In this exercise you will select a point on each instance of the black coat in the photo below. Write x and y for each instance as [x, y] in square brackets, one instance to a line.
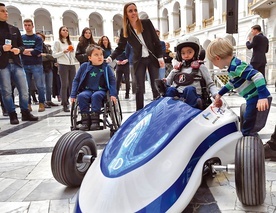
[81, 55]
[151, 39]
[260, 48]
[12, 33]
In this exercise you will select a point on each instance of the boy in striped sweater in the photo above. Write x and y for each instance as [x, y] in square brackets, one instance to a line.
[247, 81]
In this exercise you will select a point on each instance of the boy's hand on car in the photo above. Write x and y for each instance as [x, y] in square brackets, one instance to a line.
[262, 104]
[218, 101]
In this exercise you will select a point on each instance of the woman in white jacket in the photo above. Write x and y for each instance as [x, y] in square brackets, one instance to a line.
[64, 52]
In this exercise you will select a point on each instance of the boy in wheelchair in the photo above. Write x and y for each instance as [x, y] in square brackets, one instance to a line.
[191, 80]
[90, 85]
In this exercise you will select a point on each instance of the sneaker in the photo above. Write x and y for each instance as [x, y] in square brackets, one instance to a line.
[41, 107]
[269, 153]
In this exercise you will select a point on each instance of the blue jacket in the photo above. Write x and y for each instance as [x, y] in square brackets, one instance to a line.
[109, 79]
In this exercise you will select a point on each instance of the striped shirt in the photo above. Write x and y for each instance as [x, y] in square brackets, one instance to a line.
[247, 81]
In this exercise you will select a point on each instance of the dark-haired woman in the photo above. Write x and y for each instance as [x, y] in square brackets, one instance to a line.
[85, 40]
[64, 52]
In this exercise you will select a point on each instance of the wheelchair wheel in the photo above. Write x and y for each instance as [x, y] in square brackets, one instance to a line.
[250, 171]
[115, 113]
[66, 163]
[75, 116]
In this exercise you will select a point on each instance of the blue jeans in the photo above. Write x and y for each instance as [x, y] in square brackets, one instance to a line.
[87, 97]
[48, 82]
[249, 117]
[37, 72]
[17, 75]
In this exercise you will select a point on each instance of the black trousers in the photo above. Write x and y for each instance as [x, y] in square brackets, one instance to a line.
[259, 66]
[140, 69]
[120, 71]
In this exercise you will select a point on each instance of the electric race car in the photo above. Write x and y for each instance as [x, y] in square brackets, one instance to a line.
[156, 160]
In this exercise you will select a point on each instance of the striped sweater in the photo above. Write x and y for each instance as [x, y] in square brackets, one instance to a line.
[247, 81]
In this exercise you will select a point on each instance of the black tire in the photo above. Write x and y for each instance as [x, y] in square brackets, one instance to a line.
[242, 110]
[115, 114]
[65, 163]
[75, 116]
[250, 171]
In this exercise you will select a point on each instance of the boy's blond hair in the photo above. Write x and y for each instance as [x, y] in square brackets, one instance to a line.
[220, 47]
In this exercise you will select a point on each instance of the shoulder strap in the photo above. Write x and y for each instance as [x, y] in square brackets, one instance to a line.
[139, 40]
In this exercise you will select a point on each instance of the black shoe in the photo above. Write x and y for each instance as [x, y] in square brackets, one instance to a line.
[66, 108]
[50, 103]
[127, 96]
[269, 153]
[95, 121]
[85, 122]
[27, 116]
[46, 105]
[13, 118]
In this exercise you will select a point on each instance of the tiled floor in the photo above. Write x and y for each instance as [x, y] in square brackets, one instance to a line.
[27, 184]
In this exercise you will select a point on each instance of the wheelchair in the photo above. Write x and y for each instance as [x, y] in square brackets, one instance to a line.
[110, 116]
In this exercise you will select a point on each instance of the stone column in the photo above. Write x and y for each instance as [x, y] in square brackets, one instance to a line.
[57, 22]
[108, 29]
[218, 12]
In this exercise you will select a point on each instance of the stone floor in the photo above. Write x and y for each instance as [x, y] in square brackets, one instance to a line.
[27, 184]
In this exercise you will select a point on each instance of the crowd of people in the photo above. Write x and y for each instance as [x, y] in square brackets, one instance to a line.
[28, 64]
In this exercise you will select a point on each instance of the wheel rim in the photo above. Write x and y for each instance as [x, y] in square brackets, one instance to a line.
[82, 167]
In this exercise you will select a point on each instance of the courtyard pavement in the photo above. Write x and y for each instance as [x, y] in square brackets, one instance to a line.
[27, 184]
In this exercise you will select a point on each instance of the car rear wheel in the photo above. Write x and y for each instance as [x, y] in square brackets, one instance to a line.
[250, 171]
[67, 163]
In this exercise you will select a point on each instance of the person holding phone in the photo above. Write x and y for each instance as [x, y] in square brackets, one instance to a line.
[11, 46]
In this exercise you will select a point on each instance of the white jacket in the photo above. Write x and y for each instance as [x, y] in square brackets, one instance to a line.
[63, 58]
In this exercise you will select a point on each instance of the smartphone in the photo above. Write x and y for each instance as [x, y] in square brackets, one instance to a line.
[7, 41]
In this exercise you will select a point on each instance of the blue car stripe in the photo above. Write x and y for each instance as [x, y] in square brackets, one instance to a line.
[170, 196]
